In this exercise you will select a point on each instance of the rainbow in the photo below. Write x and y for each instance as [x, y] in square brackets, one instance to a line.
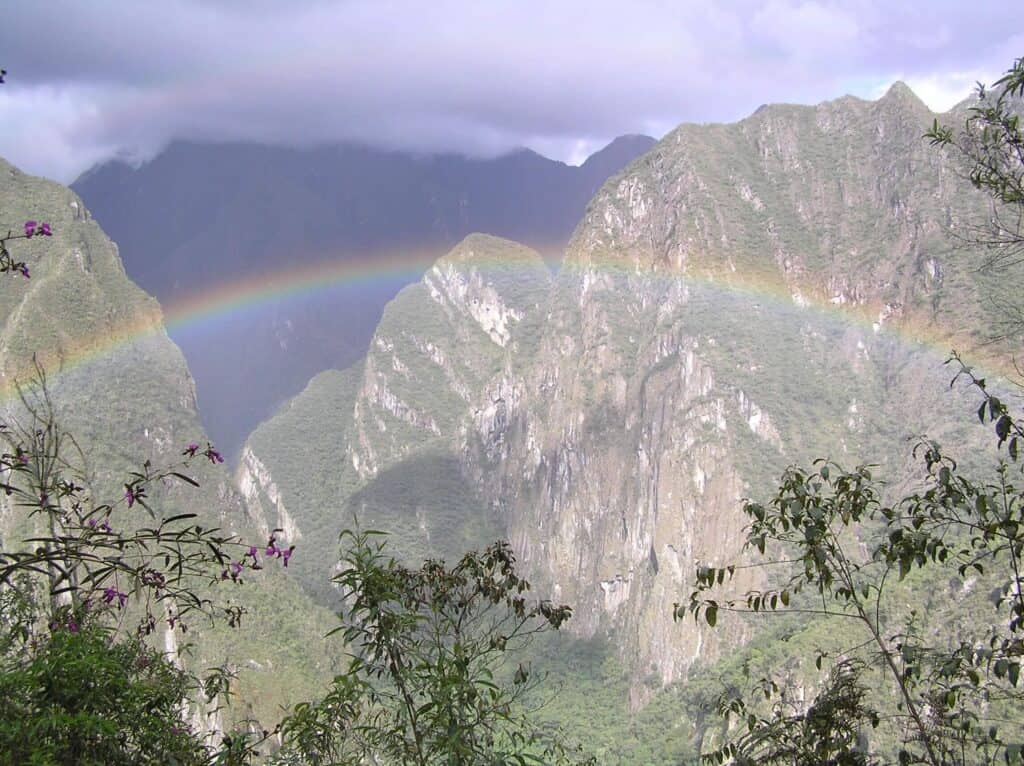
[206, 306]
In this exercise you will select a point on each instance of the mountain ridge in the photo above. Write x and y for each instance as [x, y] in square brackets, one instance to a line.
[129, 403]
[218, 213]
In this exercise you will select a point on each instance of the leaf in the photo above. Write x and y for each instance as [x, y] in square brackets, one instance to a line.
[184, 478]
[1003, 427]
[179, 517]
[711, 615]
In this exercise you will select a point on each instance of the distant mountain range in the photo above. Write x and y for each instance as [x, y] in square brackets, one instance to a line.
[201, 218]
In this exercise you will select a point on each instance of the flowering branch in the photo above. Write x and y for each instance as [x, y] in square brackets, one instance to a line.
[32, 229]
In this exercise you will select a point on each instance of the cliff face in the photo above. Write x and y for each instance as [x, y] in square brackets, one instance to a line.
[121, 388]
[741, 297]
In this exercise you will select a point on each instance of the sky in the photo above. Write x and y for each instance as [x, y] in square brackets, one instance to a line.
[89, 80]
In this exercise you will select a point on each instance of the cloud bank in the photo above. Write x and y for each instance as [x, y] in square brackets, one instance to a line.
[92, 80]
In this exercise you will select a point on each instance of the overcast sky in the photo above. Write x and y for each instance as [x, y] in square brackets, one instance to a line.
[91, 79]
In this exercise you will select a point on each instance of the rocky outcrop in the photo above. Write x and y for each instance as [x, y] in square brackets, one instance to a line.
[255, 483]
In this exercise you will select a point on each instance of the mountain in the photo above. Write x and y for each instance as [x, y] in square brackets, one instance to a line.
[122, 389]
[742, 297]
[202, 219]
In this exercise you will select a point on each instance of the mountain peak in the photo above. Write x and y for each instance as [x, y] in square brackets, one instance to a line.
[487, 250]
[619, 153]
[901, 93]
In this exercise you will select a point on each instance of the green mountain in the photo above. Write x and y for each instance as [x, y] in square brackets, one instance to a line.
[123, 391]
[739, 298]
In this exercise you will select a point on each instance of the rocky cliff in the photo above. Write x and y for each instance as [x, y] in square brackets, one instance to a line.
[741, 297]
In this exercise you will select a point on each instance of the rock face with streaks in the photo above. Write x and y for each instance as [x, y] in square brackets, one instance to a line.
[739, 298]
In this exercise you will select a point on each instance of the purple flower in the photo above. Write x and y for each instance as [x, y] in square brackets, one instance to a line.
[215, 457]
[153, 579]
[253, 550]
[236, 568]
[45, 230]
[72, 626]
[190, 450]
[110, 593]
[30, 228]
[23, 270]
[129, 494]
[287, 555]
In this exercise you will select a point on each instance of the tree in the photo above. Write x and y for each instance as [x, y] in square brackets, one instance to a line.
[82, 698]
[991, 143]
[843, 550]
[990, 147]
[76, 686]
[429, 680]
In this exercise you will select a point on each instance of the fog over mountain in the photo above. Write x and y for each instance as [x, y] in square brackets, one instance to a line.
[199, 218]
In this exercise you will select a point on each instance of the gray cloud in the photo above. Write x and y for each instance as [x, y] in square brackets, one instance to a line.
[89, 80]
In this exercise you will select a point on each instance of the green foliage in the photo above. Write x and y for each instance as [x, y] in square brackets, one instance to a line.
[992, 139]
[952, 695]
[424, 685]
[82, 696]
[827, 733]
[990, 146]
